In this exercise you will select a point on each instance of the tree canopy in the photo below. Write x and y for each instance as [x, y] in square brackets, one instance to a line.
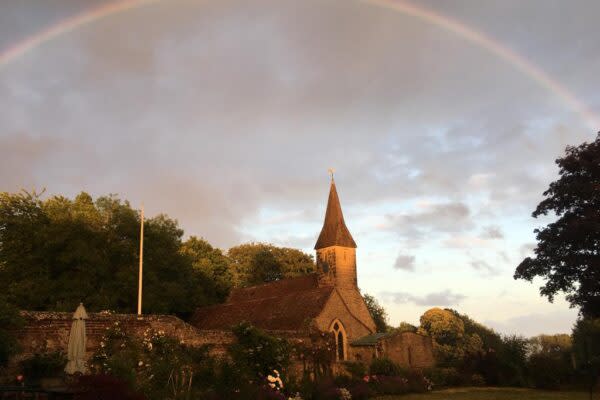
[57, 252]
[567, 255]
[255, 263]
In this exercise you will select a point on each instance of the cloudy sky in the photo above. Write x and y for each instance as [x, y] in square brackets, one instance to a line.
[226, 115]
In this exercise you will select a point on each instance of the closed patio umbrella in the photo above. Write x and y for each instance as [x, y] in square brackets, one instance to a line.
[77, 342]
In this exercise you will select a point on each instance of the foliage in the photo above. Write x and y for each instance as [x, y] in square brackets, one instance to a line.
[43, 365]
[211, 262]
[157, 366]
[58, 252]
[512, 360]
[255, 263]
[258, 353]
[448, 334]
[384, 366]
[316, 354]
[406, 327]
[586, 350]
[10, 320]
[377, 312]
[567, 254]
[444, 377]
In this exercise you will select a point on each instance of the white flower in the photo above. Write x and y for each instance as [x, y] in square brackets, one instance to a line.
[140, 363]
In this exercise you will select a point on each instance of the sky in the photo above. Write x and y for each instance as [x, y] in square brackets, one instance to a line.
[226, 115]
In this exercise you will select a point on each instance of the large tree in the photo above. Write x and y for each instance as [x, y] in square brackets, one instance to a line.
[567, 255]
[57, 252]
[255, 263]
[377, 312]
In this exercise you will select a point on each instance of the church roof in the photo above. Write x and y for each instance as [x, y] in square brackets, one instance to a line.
[282, 305]
[334, 231]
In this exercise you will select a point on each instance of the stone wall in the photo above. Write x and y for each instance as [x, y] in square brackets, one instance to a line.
[49, 331]
[408, 349]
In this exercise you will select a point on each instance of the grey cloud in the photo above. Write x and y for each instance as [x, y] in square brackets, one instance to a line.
[405, 262]
[437, 218]
[492, 232]
[483, 266]
[442, 298]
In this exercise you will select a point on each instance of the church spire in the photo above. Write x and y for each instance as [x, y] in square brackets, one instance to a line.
[334, 231]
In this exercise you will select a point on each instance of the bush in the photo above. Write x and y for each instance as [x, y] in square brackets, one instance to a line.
[384, 366]
[45, 365]
[549, 371]
[357, 370]
[257, 352]
[443, 377]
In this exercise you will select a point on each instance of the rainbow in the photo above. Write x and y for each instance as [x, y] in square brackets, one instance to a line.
[475, 37]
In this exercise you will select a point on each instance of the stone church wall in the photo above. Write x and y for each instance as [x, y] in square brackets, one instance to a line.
[337, 309]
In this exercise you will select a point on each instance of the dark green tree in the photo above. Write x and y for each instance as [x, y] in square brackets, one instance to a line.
[57, 252]
[10, 321]
[211, 262]
[377, 312]
[586, 349]
[567, 255]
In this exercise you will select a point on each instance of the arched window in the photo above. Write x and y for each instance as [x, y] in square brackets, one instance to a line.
[339, 334]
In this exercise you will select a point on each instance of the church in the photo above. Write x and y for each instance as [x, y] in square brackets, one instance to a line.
[327, 300]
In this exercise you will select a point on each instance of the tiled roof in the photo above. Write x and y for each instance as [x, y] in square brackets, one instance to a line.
[334, 231]
[369, 340]
[283, 305]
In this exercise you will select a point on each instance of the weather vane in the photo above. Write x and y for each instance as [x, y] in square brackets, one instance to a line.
[331, 171]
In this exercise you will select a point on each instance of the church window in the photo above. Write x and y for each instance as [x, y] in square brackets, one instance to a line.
[339, 335]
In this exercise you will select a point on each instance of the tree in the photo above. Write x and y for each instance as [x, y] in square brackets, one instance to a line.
[406, 327]
[448, 334]
[377, 312]
[568, 250]
[549, 363]
[10, 320]
[211, 262]
[586, 349]
[57, 252]
[254, 263]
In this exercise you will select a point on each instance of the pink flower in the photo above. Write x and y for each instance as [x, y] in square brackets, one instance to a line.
[19, 378]
[366, 378]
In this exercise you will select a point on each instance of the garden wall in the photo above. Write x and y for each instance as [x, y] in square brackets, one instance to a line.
[49, 331]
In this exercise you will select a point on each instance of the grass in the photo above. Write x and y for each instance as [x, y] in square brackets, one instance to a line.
[493, 393]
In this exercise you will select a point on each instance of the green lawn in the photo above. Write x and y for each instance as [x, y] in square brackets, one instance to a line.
[492, 393]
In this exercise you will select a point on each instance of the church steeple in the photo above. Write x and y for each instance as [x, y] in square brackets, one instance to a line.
[334, 231]
[336, 249]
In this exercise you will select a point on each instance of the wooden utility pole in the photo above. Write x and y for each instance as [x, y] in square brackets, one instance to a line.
[139, 309]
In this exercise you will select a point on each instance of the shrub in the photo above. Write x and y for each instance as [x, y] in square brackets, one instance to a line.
[257, 352]
[44, 365]
[384, 366]
[549, 371]
[357, 370]
[443, 377]
[477, 380]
